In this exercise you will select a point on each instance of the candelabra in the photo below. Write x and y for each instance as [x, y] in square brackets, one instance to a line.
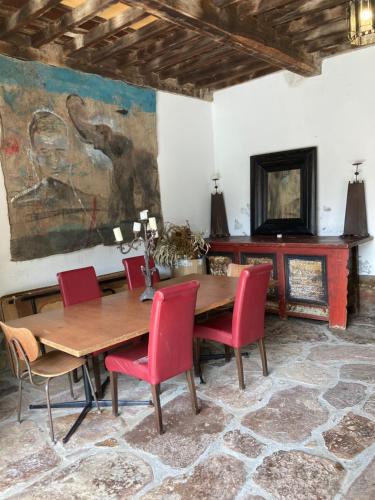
[147, 226]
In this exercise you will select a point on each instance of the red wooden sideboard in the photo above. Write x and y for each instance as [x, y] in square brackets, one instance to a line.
[317, 276]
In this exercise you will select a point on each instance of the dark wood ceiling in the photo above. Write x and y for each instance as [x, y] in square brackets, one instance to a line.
[191, 47]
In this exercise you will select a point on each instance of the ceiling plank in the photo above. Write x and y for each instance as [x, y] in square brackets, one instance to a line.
[109, 28]
[131, 39]
[220, 53]
[227, 66]
[299, 8]
[237, 71]
[171, 58]
[339, 26]
[235, 80]
[69, 20]
[169, 42]
[251, 36]
[224, 3]
[30, 11]
[310, 22]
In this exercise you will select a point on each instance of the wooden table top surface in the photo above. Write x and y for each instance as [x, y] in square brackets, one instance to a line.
[101, 323]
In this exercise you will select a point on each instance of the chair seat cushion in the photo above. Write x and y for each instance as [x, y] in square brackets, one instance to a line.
[106, 349]
[218, 329]
[130, 360]
[136, 340]
[56, 363]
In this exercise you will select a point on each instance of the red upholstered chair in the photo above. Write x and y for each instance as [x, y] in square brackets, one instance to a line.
[246, 324]
[169, 348]
[134, 273]
[80, 285]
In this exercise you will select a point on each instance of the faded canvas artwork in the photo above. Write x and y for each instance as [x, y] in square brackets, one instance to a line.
[78, 155]
[284, 194]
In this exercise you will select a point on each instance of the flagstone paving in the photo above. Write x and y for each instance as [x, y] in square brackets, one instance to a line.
[307, 431]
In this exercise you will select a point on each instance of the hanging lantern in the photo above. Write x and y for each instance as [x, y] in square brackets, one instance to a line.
[361, 19]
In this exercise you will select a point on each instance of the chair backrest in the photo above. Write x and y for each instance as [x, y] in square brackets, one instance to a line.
[78, 285]
[22, 344]
[250, 304]
[170, 345]
[235, 270]
[134, 273]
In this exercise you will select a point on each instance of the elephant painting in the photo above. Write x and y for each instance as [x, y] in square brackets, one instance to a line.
[134, 175]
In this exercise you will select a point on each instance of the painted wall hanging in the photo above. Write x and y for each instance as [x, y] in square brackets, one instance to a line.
[78, 154]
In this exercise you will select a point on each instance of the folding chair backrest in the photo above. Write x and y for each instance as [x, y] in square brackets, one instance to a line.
[26, 340]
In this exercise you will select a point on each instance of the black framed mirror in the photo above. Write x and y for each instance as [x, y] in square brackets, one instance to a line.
[283, 192]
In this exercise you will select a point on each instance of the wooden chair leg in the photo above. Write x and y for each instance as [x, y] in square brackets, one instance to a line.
[196, 359]
[96, 370]
[228, 353]
[196, 356]
[262, 349]
[114, 392]
[238, 355]
[193, 394]
[156, 401]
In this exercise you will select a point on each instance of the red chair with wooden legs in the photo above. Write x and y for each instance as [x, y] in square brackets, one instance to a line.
[27, 362]
[80, 285]
[134, 274]
[169, 349]
[246, 324]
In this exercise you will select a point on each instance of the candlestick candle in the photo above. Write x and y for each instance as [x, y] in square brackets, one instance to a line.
[136, 227]
[118, 234]
[152, 222]
[143, 215]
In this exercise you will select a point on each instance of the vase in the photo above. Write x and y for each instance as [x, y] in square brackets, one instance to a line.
[190, 266]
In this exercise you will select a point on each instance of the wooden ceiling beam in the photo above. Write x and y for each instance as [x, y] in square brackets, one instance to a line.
[28, 13]
[298, 9]
[224, 3]
[257, 7]
[310, 22]
[196, 64]
[227, 66]
[108, 28]
[236, 71]
[131, 39]
[235, 80]
[68, 21]
[318, 44]
[170, 41]
[339, 26]
[177, 56]
[251, 36]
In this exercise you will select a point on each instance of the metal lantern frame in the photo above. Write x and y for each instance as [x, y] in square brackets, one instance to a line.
[361, 22]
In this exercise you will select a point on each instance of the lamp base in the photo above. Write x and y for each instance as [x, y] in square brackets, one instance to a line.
[148, 294]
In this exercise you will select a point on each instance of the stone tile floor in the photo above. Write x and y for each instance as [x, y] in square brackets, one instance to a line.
[305, 432]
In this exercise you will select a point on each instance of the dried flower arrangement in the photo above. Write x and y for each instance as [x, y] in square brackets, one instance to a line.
[178, 242]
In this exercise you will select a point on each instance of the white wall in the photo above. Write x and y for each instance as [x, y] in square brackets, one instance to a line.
[185, 163]
[334, 111]
[186, 159]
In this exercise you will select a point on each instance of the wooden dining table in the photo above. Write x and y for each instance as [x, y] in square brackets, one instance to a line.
[102, 323]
